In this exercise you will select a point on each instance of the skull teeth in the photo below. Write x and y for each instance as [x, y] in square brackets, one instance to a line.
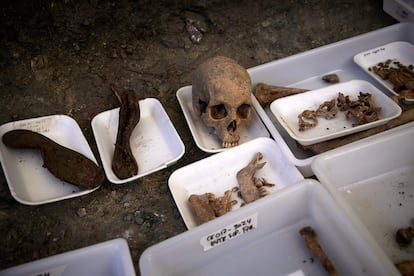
[229, 144]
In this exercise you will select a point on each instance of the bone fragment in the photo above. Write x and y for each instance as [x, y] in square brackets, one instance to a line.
[331, 78]
[124, 164]
[266, 94]
[202, 208]
[208, 207]
[64, 163]
[405, 117]
[406, 268]
[309, 234]
[248, 189]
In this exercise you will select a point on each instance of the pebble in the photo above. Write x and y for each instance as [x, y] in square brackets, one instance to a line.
[81, 212]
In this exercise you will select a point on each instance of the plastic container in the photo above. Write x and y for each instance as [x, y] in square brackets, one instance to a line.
[305, 70]
[110, 258]
[399, 51]
[29, 182]
[373, 181]
[401, 10]
[262, 238]
[217, 174]
[204, 137]
[154, 142]
[287, 109]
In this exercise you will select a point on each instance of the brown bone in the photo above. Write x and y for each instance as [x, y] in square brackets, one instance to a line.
[66, 164]
[248, 189]
[309, 234]
[405, 117]
[266, 94]
[124, 164]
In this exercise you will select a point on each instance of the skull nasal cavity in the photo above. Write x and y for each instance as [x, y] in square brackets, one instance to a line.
[232, 126]
[218, 112]
[243, 111]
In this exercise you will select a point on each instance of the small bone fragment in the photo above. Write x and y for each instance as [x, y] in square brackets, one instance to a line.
[309, 234]
[404, 236]
[202, 208]
[208, 207]
[331, 78]
[406, 268]
[328, 109]
[248, 189]
[408, 93]
[124, 164]
[405, 117]
[223, 204]
[266, 94]
[307, 119]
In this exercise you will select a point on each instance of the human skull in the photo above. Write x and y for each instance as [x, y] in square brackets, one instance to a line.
[221, 96]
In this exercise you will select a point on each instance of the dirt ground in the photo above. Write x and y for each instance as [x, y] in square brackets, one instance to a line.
[60, 57]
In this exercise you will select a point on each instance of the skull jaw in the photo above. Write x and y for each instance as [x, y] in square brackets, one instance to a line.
[229, 139]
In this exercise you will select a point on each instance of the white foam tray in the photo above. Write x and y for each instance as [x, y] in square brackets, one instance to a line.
[305, 70]
[401, 51]
[287, 109]
[110, 258]
[217, 174]
[270, 243]
[204, 137]
[29, 182]
[154, 142]
[373, 180]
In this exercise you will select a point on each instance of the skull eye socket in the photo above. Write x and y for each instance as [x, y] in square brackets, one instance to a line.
[243, 111]
[218, 111]
[202, 106]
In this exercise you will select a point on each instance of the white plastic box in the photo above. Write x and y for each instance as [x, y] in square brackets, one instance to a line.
[217, 174]
[262, 238]
[155, 142]
[401, 10]
[373, 181]
[29, 182]
[305, 70]
[110, 258]
[287, 109]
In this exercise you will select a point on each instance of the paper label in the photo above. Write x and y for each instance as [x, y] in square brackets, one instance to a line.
[229, 232]
[40, 126]
[375, 51]
[57, 271]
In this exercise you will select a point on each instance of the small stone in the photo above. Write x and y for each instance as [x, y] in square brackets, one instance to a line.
[81, 212]
[76, 46]
[331, 78]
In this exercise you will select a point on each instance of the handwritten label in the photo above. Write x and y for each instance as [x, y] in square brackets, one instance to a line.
[57, 271]
[40, 126]
[229, 232]
[375, 51]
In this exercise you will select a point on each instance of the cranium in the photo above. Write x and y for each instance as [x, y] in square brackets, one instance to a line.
[222, 97]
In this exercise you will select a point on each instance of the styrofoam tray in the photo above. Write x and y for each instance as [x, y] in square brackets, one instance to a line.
[109, 258]
[204, 136]
[29, 182]
[287, 109]
[217, 174]
[305, 70]
[154, 142]
[373, 180]
[270, 243]
[401, 51]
